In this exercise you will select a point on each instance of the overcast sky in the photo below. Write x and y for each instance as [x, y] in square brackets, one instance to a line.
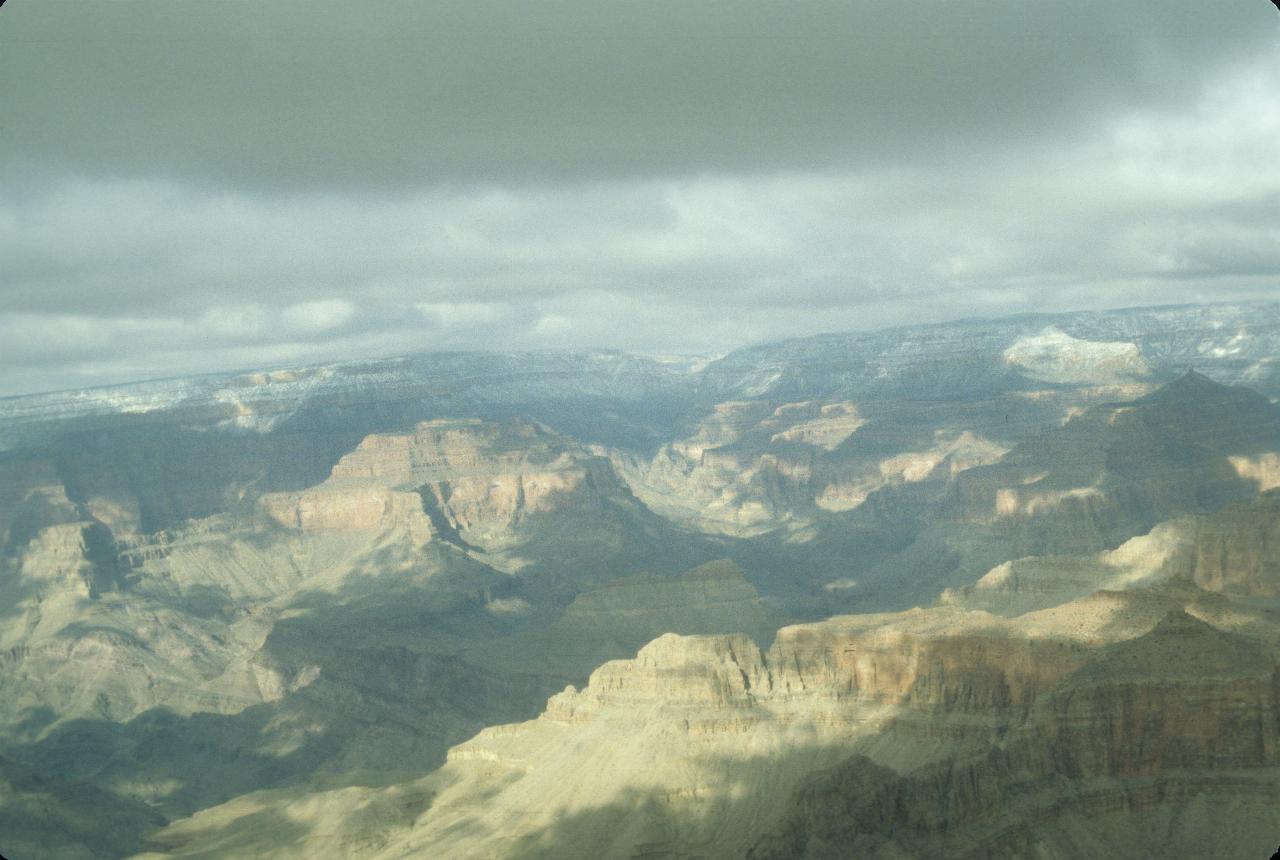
[189, 185]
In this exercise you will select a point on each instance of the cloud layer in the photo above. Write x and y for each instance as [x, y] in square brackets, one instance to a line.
[187, 187]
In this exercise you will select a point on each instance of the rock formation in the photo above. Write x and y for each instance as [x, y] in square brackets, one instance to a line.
[571, 605]
[908, 734]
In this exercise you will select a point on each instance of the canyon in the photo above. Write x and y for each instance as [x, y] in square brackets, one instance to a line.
[987, 589]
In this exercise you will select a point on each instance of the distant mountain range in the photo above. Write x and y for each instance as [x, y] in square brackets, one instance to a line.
[1234, 344]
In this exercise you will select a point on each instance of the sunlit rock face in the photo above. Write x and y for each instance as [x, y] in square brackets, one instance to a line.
[1113, 472]
[747, 469]
[834, 423]
[1131, 688]
[479, 482]
[1116, 470]
[349, 509]
[513, 496]
[1264, 469]
[1173, 440]
[1235, 552]
[948, 457]
[266, 634]
[99, 626]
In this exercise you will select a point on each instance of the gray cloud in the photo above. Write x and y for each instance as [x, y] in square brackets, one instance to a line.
[320, 94]
[187, 187]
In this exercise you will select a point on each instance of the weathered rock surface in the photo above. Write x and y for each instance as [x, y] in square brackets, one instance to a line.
[507, 493]
[1162, 726]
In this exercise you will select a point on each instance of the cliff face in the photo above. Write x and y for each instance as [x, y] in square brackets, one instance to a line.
[366, 621]
[933, 496]
[1110, 473]
[60, 560]
[1182, 717]
[1236, 552]
[350, 509]
[909, 735]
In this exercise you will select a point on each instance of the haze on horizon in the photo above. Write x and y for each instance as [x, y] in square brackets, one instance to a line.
[188, 187]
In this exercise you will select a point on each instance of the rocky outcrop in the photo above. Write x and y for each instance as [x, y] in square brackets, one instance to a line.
[32, 497]
[909, 734]
[719, 673]
[962, 733]
[74, 558]
[1236, 551]
[664, 744]
[754, 467]
[743, 471]
[357, 508]
[1183, 715]
[1107, 475]
[469, 482]
[946, 459]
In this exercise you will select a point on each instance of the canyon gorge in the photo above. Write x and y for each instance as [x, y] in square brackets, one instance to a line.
[987, 589]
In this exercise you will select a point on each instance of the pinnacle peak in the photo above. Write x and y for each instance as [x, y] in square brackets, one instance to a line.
[1193, 382]
[1180, 620]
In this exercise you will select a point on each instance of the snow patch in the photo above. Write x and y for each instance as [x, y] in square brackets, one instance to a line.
[1055, 356]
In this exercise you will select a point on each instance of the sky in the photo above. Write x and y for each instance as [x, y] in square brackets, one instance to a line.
[189, 186]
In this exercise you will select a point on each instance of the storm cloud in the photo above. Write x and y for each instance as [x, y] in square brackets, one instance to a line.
[191, 186]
